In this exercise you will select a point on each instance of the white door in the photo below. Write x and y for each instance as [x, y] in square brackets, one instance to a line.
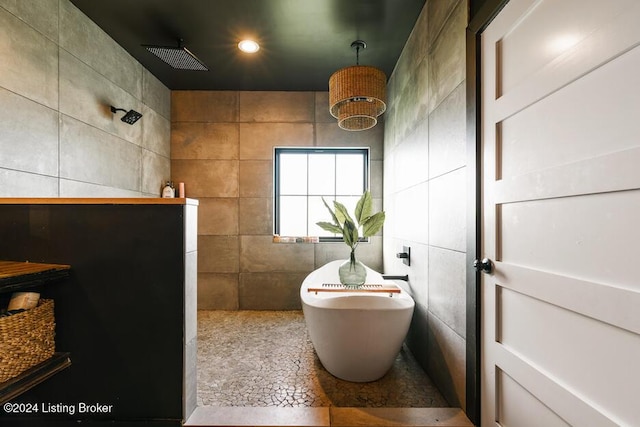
[561, 214]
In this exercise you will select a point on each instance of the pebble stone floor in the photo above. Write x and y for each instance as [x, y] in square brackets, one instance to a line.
[265, 358]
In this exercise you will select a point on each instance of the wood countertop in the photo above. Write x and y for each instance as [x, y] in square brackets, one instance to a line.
[97, 201]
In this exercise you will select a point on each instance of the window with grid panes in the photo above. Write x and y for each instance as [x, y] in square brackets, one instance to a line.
[303, 176]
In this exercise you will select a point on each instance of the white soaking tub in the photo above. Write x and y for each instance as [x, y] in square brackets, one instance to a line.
[356, 334]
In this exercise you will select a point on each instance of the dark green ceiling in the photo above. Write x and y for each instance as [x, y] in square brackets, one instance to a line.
[302, 41]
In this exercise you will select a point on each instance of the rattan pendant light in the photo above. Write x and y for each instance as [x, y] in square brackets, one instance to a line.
[357, 94]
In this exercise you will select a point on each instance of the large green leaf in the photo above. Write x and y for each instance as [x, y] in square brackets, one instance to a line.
[342, 213]
[333, 215]
[373, 224]
[350, 235]
[364, 208]
[355, 237]
[328, 226]
[344, 225]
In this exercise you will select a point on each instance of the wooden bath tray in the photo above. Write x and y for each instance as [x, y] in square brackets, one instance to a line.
[337, 287]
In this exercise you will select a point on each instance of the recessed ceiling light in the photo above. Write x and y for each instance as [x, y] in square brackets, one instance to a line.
[248, 46]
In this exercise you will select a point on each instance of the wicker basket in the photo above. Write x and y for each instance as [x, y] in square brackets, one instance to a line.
[26, 339]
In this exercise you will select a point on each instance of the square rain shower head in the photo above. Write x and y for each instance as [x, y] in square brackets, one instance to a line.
[129, 117]
[177, 57]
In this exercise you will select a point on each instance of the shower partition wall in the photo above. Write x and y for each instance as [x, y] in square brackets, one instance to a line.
[126, 313]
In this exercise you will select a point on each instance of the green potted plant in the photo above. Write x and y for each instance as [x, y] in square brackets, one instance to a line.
[366, 224]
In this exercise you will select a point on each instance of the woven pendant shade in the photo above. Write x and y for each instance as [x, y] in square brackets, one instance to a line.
[357, 96]
[358, 115]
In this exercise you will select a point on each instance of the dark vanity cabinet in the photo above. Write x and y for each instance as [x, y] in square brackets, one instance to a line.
[126, 313]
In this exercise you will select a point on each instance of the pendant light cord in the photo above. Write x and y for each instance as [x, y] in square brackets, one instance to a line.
[357, 45]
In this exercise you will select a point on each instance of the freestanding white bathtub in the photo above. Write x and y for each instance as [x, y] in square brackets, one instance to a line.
[356, 335]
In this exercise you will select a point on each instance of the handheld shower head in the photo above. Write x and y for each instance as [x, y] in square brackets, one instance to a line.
[130, 116]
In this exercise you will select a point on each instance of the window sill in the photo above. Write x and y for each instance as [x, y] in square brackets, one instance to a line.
[295, 239]
[312, 239]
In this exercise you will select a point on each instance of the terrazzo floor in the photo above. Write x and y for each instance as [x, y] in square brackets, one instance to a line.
[265, 359]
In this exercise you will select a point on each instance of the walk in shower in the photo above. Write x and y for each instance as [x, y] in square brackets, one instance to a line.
[266, 359]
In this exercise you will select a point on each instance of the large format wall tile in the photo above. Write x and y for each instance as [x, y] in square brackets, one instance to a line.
[424, 148]
[418, 271]
[87, 42]
[257, 140]
[260, 254]
[209, 127]
[414, 52]
[218, 216]
[156, 95]
[256, 178]
[87, 95]
[413, 154]
[375, 179]
[105, 159]
[256, 215]
[156, 170]
[391, 139]
[446, 362]
[207, 178]
[217, 291]
[22, 184]
[204, 140]
[28, 135]
[448, 57]
[218, 254]
[447, 288]
[40, 14]
[419, 338]
[59, 73]
[448, 211]
[28, 61]
[413, 103]
[438, 12]
[71, 188]
[156, 132]
[448, 133]
[411, 214]
[322, 114]
[270, 291]
[278, 107]
[204, 106]
[330, 135]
